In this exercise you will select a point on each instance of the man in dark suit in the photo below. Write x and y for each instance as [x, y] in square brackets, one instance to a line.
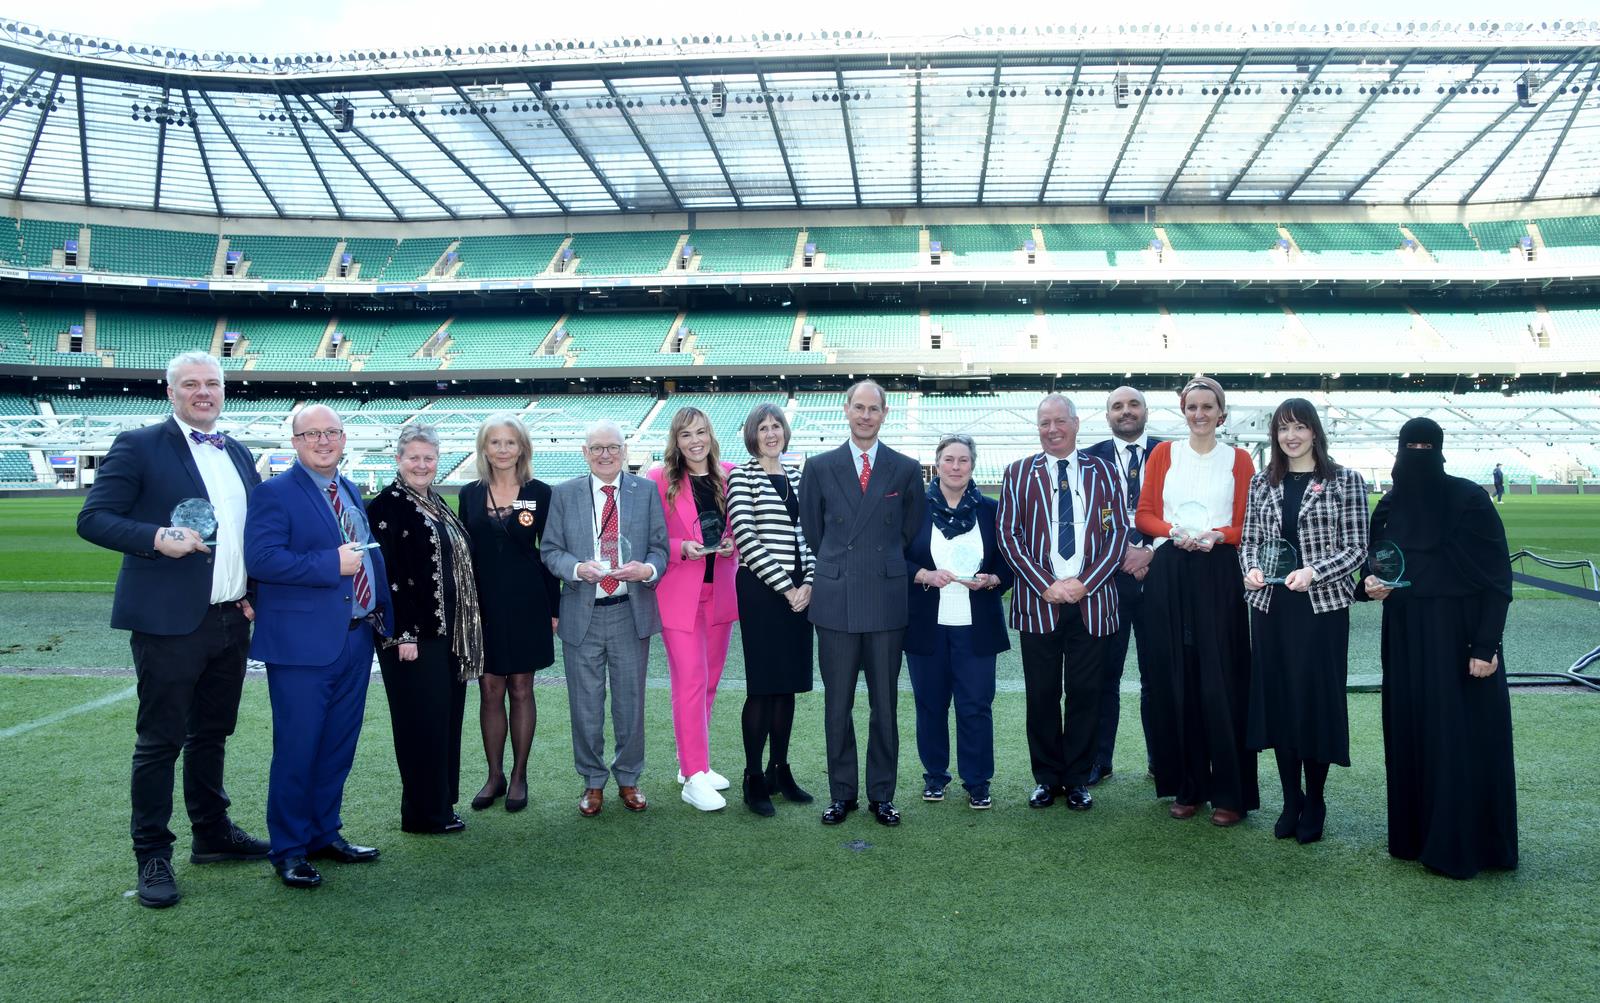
[606, 540]
[1063, 525]
[185, 604]
[860, 505]
[321, 599]
[1126, 450]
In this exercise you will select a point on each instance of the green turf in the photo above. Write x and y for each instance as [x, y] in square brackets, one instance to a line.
[1118, 903]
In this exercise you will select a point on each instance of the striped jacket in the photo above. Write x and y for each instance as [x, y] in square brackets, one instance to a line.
[1332, 535]
[766, 537]
[1024, 538]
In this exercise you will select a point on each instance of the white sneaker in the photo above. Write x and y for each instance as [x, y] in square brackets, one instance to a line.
[699, 793]
[718, 781]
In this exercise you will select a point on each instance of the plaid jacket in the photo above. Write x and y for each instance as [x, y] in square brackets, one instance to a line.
[1333, 535]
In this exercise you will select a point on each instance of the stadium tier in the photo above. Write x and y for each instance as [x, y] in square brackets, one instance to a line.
[994, 245]
[744, 250]
[132, 250]
[507, 256]
[863, 248]
[645, 252]
[294, 259]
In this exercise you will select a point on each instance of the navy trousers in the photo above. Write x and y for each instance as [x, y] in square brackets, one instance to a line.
[316, 719]
[954, 671]
[1130, 594]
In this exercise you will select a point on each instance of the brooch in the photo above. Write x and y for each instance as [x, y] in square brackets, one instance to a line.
[525, 518]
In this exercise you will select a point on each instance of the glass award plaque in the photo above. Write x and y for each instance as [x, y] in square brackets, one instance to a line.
[714, 531]
[350, 529]
[1277, 558]
[1388, 563]
[197, 515]
[612, 554]
[1192, 519]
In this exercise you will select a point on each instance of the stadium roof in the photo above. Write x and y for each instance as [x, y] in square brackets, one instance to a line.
[1040, 116]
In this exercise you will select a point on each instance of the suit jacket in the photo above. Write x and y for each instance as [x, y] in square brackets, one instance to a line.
[1110, 450]
[678, 594]
[291, 547]
[569, 541]
[989, 634]
[147, 472]
[859, 539]
[1332, 524]
[1024, 521]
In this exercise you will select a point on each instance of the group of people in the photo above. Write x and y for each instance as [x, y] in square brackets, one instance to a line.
[1233, 584]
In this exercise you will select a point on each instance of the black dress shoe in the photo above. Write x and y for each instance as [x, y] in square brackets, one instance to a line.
[297, 872]
[837, 810]
[456, 824]
[230, 843]
[884, 812]
[1044, 796]
[514, 805]
[487, 797]
[1079, 799]
[1098, 772]
[158, 889]
[345, 852]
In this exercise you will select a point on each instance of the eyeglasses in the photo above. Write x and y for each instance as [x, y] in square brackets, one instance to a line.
[320, 435]
[604, 449]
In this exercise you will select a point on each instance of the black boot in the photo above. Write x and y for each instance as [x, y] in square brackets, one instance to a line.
[780, 779]
[756, 795]
[1292, 807]
[1311, 820]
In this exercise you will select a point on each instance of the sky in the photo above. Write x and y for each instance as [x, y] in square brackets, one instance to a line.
[288, 26]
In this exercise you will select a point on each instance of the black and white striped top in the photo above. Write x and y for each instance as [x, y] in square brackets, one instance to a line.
[769, 541]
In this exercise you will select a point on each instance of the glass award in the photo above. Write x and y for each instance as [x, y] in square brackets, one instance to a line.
[1192, 519]
[1388, 563]
[713, 531]
[966, 557]
[1277, 558]
[351, 530]
[612, 554]
[198, 515]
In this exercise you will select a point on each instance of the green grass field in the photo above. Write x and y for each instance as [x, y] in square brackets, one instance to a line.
[1118, 903]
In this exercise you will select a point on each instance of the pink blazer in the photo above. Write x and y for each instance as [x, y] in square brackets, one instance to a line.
[678, 595]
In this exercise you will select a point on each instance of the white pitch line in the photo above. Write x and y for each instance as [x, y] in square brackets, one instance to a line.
[53, 581]
[62, 715]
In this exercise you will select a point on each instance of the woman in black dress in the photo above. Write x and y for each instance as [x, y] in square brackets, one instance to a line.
[774, 589]
[1300, 625]
[504, 511]
[1446, 707]
[438, 641]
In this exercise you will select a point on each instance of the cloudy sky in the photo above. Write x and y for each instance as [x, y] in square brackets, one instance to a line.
[321, 25]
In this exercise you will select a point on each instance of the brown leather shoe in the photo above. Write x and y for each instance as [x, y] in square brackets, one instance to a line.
[589, 805]
[1225, 817]
[1180, 810]
[632, 798]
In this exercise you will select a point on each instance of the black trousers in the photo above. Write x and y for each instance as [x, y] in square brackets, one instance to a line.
[189, 688]
[426, 706]
[841, 659]
[1067, 660]
[1130, 593]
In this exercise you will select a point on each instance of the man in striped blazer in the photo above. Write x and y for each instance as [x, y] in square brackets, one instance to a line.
[1063, 524]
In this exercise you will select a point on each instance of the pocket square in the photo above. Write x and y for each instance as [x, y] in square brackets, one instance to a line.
[892, 494]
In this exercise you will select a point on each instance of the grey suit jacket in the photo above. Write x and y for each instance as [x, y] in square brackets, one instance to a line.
[569, 541]
[859, 539]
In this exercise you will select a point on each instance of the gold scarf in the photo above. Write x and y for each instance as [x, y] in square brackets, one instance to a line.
[466, 635]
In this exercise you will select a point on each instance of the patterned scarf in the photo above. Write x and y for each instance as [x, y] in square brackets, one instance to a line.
[952, 522]
[466, 636]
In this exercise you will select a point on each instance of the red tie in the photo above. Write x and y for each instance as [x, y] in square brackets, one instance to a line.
[363, 587]
[608, 536]
[866, 472]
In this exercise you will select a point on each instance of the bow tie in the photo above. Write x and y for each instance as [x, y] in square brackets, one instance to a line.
[215, 438]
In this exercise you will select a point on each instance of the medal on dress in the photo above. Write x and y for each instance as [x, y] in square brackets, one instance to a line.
[525, 518]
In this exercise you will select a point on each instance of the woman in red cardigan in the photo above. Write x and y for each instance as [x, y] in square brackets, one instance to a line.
[1194, 641]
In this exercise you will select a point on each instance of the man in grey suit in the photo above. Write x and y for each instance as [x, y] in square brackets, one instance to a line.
[606, 540]
[860, 504]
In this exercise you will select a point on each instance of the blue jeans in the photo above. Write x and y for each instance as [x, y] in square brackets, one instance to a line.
[954, 670]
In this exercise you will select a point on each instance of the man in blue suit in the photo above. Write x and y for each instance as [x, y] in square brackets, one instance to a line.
[321, 599]
[1126, 450]
[185, 604]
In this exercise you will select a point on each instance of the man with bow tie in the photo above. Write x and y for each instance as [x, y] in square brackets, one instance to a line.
[184, 600]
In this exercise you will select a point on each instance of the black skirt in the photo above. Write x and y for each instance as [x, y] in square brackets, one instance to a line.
[1299, 664]
[776, 640]
[1194, 652]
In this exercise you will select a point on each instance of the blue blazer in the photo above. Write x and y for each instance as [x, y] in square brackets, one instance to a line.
[1110, 451]
[291, 548]
[147, 472]
[989, 634]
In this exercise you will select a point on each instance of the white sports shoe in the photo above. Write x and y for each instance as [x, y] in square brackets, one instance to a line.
[699, 793]
[718, 781]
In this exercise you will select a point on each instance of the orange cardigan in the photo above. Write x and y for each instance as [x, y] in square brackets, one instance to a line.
[1148, 519]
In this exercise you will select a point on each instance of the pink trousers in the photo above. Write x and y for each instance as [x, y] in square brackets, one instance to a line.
[694, 661]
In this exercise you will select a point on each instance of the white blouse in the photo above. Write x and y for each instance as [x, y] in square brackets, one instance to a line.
[962, 555]
[1206, 478]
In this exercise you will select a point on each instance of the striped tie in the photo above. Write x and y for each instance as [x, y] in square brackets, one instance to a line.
[363, 586]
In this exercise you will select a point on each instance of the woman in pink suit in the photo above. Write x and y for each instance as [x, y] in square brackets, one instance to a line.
[696, 595]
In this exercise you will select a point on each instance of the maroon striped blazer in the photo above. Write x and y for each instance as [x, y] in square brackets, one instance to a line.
[1024, 538]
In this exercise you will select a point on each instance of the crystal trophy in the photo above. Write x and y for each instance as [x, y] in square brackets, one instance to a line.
[1276, 559]
[612, 554]
[1192, 518]
[1388, 563]
[198, 515]
[351, 530]
[714, 532]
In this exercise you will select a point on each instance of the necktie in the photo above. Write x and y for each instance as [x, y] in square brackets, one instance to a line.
[362, 585]
[866, 472]
[215, 438]
[608, 536]
[1134, 535]
[1066, 545]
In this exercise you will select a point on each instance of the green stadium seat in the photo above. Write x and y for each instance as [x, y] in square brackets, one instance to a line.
[371, 253]
[16, 468]
[506, 256]
[769, 249]
[994, 245]
[42, 238]
[883, 331]
[747, 337]
[131, 250]
[867, 248]
[643, 252]
[623, 339]
[411, 259]
[496, 341]
[288, 259]
[148, 339]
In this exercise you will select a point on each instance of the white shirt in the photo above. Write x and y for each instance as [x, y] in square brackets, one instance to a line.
[229, 497]
[1065, 567]
[855, 456]
[1206, 478]
[962, 555]
[1124, 461]
[595, 485]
